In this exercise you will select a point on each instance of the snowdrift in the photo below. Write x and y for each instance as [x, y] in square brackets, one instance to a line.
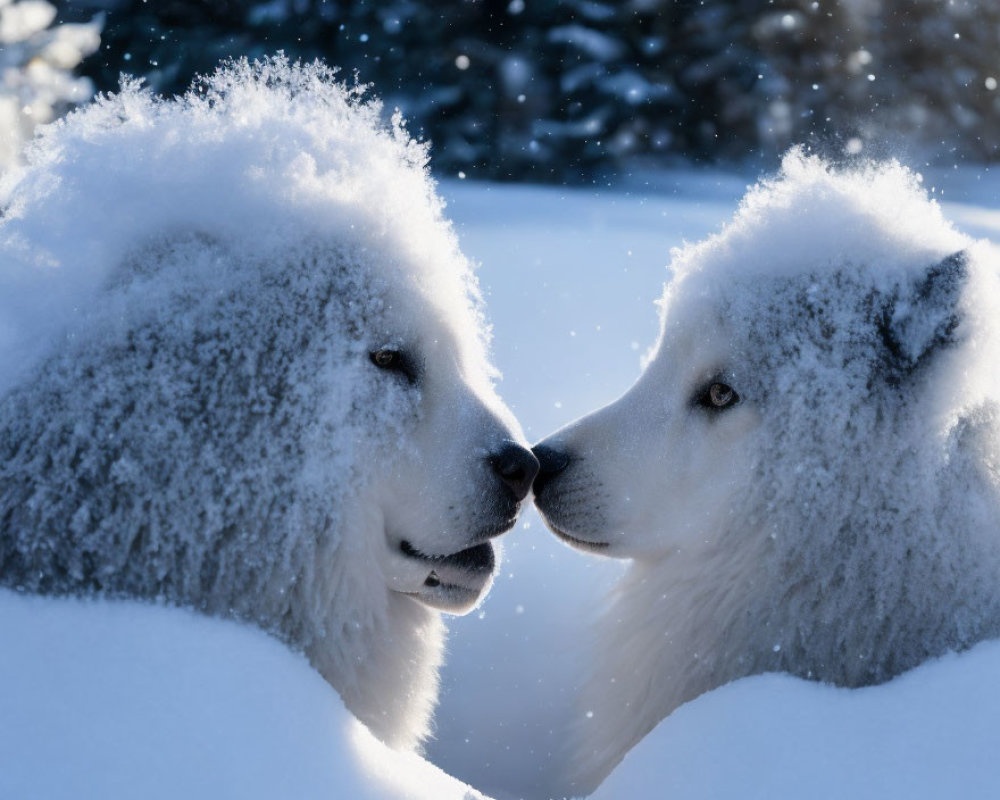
[928, 734]
[115, 700]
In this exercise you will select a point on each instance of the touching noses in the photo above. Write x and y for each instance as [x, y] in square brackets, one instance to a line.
[551, 462]
[516, 467]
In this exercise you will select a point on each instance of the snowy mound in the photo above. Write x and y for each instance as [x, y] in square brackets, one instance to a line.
[126, 700]
[931, 733]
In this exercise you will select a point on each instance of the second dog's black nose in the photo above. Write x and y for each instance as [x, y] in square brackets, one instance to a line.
[516, 467]
[550, 463]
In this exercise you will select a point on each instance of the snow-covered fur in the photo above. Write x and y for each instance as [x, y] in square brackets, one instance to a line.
[243, 369]
[807, 473]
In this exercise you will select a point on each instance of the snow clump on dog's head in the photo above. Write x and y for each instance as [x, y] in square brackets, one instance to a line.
[810, 213]
[243, 368]
[260, 155]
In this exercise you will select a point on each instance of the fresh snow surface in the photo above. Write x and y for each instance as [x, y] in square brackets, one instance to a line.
[123, 700]
[931, 733]
[570, 278]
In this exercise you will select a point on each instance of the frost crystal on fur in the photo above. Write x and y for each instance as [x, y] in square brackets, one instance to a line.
[841, 521]
[189, 293]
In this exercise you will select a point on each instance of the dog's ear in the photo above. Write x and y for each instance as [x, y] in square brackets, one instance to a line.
[917, 320]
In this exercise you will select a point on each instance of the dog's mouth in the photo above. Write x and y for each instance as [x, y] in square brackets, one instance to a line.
[454, 582]
[475, 559]
[580, 544]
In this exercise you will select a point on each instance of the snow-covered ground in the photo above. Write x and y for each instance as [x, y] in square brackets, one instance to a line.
[931, 733]
[122, 700]
[156, 702]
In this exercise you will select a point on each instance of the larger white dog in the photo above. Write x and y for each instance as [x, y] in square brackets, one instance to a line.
[243, 369]
[807, 473]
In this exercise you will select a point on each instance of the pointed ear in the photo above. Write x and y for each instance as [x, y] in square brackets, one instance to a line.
[918, 320]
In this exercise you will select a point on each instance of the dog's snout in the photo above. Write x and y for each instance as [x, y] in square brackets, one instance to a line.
[516, 467]
[550, 463]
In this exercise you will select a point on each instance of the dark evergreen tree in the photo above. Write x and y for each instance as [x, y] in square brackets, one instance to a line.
[817, 67]
[563, 89]
[947, 56]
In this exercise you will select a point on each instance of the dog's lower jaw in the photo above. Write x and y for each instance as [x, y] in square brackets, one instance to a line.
[587, 546]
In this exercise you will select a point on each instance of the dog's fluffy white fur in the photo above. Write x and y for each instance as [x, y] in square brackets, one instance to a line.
[190, 411]
[838, 515]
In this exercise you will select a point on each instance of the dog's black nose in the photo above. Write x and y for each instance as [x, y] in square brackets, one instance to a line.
[516, 467]
[550, 463]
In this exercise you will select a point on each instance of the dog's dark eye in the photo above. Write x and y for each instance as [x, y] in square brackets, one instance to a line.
[394, 361]
[387, 359]
[717, 396]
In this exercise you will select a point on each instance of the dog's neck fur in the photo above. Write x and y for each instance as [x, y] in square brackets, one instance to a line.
[846, 609]
[314, 589]
[638, 678]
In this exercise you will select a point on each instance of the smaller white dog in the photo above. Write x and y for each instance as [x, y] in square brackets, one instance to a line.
[807, 474]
